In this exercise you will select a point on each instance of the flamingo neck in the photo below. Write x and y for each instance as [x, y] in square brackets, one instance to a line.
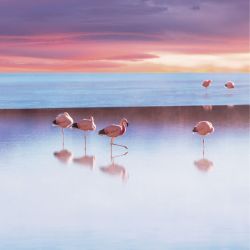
[123, 129]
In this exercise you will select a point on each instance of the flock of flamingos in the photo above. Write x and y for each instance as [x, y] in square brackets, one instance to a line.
[64, 120]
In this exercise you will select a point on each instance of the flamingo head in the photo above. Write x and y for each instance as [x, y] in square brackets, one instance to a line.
[124, 122]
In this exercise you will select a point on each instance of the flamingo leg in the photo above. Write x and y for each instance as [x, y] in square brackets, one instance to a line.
[203, 147]
[116, 156]
[120, 145]
[62, 138]
[85, 143]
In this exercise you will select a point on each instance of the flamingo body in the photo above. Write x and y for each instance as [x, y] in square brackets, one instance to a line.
[203, 128]
[229, 85]
[85, 124]
[63, 120]
[206, 83]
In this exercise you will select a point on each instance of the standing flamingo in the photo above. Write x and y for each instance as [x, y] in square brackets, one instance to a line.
[229, 85]
[115, 130]
[203, 128]
[85, 125]
[206, 83]
[63, 120]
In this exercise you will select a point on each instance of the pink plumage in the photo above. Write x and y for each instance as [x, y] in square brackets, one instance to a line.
[85, 124]
[115, 130]
[203, 128]
[229, 85]
[206, 83]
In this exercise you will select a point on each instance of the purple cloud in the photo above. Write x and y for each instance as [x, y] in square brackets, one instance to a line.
[126, 20]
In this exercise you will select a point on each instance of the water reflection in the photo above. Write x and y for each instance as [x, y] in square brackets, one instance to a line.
[114, 169]
[86, 160]
[64, 156]
[208, 107]
[204, 165]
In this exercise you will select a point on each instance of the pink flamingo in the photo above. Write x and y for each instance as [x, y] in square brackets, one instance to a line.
[85, 125]
[63, 120]
[203, 128]
[206, 83]
[229, 85]
[115, 130]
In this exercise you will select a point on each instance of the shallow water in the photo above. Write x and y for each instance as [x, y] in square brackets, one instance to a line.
[120, 90]
[161, 195]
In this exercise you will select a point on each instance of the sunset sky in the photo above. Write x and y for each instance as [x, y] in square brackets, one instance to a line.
[124, 35]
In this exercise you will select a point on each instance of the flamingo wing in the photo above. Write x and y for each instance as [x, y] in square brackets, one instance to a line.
[113, 130]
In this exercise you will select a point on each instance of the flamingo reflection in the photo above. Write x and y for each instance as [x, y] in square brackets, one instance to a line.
[114, 169]
[64, 156]
[204, 165]
[85, 160]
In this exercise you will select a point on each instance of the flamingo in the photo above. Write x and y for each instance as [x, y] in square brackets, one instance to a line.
[85, 125]
[206, 83]
[208, 107]
[229, 85]
[115, 130]
[63, 120]
[203, 128]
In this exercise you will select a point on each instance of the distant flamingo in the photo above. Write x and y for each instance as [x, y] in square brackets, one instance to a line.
[85, 125]
[207, 107]
[115, 130]
[203, 128]
[63, 120]
[206, 83]
[229, 85]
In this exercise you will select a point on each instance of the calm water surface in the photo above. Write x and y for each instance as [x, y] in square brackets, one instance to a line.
[120, 90]
[163, 194]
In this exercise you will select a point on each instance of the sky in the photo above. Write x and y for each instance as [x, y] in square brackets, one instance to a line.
[124, 36]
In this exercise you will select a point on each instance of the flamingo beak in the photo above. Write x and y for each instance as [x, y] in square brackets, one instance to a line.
[127, 124]
[194, 129]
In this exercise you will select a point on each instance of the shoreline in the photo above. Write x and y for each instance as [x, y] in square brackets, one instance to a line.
[128, 107]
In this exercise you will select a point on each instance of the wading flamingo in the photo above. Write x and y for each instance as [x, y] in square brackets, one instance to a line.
[63, 120]
[229, 85]
[206, 83]
[203, 128]
[115, 130]
[85, 125]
